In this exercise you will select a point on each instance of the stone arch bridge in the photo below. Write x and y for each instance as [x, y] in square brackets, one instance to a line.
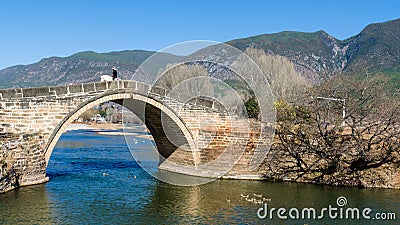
[33, 119]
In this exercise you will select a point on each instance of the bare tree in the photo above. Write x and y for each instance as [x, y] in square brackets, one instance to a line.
[86, 116]
[186, 78]
[312, 145]
[285, 82]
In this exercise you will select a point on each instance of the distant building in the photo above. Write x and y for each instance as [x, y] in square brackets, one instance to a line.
[98, 119]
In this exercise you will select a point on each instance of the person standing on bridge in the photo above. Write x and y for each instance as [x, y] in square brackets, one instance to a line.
[114, 73]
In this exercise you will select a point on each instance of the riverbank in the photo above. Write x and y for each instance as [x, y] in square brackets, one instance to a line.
[111, 129]
[95, 126]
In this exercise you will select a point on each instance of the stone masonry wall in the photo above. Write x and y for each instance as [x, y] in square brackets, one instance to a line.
[28, 118]
[26, 127]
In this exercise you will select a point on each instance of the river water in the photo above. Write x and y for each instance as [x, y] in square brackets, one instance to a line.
[95, 180]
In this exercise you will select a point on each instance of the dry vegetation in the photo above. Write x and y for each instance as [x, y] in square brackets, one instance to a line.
[285, 82]
[313, 145]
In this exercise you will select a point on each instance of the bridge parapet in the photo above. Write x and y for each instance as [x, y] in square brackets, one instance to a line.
[69, 90]
[131, 86]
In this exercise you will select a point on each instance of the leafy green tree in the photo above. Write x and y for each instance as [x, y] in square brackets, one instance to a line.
[103, 113]
[252, 108]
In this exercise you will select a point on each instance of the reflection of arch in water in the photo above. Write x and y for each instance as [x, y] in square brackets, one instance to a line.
[149, 110]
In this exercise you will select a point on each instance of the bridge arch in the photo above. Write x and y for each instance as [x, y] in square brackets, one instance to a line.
[152, 112]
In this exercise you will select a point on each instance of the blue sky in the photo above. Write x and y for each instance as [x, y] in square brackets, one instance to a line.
[35, 29]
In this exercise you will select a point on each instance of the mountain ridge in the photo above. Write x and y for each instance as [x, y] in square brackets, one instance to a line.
[316, 55]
